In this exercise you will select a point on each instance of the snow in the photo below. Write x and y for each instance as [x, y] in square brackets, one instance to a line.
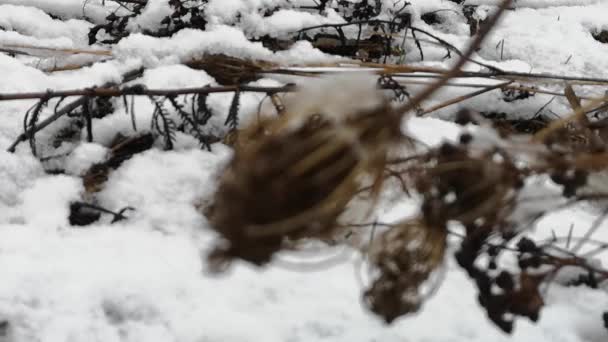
[190, 44]
[17, 173]
[145, 278]
[563, 39]
[32, 21]
[91, 9]
[226, 11]
[83, 157]
[357, 92]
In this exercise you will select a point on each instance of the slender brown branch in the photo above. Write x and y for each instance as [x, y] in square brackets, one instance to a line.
[114, 91]
[15, 47]
[574, 116]
[507, 86]
[463, 98]
[507, 75]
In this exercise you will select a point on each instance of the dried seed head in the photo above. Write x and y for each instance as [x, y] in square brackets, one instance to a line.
[471, 188]
[291, 177]
[405, 257]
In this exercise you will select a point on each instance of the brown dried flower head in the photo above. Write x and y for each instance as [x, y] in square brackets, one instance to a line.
[293, 176]
[404, 257]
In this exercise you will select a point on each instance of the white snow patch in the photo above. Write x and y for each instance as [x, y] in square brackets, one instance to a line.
[83, 157]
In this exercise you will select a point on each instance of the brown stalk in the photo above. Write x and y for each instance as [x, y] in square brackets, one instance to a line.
[462, 98]
[575, 116]
[110, 90]
[58, 50]
[293, 182]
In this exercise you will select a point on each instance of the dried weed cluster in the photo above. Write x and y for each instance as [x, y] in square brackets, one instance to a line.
[293, 177]
[296, 174]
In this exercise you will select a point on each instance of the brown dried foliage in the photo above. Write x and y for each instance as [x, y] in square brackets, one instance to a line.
[466, 186]
[227, 70]
[477, 187]
[405, 256]
[121, 149]
[290, 183]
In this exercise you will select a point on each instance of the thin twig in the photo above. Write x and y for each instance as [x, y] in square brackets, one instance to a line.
[462, 98]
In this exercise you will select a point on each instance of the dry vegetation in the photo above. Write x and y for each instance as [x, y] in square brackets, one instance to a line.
[297, 169]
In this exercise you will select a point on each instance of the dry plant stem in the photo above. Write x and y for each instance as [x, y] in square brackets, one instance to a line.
[559, 262]
[129, 76]
[57, 50]
[594, 227]
[463, 98]
[392, 70]
[354, 65]
[519, 76]
[315, 73]
[399, 73]
[543, 91]
[110, 91]
[571, 79]
[505, 85]
[455, 71]
[507, 75]
[542, 135]
[571, 260]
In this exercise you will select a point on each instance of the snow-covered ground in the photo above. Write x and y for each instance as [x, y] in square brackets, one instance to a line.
[145, 279]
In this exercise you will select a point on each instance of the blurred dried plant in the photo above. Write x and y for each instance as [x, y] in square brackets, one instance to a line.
[296, 174]
[404, 257]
